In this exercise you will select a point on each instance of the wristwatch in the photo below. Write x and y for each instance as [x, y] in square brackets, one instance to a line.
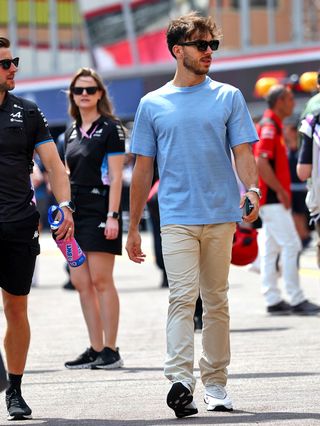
[256, 190]
[69, 204]
[114, 215]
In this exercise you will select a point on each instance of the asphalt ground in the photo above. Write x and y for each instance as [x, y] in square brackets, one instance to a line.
[274, 376]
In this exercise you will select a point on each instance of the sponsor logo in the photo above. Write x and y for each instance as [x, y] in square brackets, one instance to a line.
[43, 117]
[69, 251]
[35, 235]
[16, 115]
[102, 225]
[17, 106]
[95, 191]
[268, 132]
[97, 133]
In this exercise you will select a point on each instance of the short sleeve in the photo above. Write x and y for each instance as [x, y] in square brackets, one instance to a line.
[305, 152]
[116, 140]
[240, 125]
[143, 141]
[42, 134]
[265, 148]
[307, 125]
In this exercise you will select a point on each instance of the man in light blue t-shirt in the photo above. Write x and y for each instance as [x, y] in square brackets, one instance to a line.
[192, 124]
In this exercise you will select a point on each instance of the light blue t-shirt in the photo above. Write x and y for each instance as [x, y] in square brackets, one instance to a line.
[191, 130]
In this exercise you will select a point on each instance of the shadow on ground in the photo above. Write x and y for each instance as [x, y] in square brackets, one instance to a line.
[237, 417]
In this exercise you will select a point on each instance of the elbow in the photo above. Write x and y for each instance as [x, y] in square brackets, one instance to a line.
[303, 172]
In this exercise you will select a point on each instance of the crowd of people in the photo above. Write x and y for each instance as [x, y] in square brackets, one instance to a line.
[204, 141]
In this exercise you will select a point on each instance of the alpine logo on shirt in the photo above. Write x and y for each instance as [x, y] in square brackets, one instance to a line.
[98, 133]
[16, 116]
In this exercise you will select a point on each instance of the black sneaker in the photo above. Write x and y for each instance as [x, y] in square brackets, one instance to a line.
[180, 400]
[281, 308]
[108, 359]
[84, 360]
[17, 406]
[305, 308]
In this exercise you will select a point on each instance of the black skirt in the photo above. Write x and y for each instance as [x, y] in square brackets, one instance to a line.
[90, 220]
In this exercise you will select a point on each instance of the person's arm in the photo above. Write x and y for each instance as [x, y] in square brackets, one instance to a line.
[139, 190]
[267, 174]
[115, 164]
[37, 177]
[304, 166]
[247, 171]
[304, 171]
[59, 183]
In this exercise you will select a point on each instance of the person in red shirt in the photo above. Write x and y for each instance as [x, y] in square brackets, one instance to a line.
[278, 235]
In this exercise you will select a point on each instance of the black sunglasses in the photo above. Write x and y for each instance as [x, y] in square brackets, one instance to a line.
[202, 45]
[92, 90]
[6, 63]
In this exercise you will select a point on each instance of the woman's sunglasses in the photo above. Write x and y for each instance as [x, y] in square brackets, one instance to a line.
[6, 63]
[92, 90]
[202, 45]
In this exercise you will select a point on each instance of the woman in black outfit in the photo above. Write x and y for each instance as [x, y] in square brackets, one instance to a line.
[94, 151]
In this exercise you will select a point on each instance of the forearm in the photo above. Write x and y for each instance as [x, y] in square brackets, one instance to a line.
[246, 166]
[59, 183]
[115, 194]
[139, 190]
[268, 176]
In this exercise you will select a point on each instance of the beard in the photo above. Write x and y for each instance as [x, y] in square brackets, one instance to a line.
[194, 66]
[5, 87]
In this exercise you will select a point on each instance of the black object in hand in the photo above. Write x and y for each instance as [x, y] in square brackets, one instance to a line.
[247, 207]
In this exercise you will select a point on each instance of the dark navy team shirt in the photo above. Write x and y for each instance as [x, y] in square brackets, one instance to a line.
[16, 192]
[87, 156]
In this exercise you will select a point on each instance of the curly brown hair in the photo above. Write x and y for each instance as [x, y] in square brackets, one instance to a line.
[183, 28]
[4, 42]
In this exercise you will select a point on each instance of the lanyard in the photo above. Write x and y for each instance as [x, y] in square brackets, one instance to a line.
[85, 134]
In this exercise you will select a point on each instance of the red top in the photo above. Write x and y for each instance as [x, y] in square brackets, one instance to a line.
[272, 146]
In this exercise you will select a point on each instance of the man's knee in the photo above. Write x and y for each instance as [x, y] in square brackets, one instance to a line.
[15, 308]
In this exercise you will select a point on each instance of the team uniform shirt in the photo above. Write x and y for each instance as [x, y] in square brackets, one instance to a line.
[191, 130]
[87, 155]
[16, 192]
[308, 131]
[272, 147]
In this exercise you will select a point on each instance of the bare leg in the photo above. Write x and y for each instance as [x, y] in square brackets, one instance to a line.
[101, 271]
[81, 279]
[17, 337]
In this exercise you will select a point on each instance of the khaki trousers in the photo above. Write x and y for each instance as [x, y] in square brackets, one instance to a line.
[197, 257]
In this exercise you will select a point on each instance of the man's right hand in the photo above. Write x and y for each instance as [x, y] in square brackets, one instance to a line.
[133, 247]
[66, 229]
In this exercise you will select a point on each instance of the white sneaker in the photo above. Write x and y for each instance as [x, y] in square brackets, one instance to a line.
[217, 398]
